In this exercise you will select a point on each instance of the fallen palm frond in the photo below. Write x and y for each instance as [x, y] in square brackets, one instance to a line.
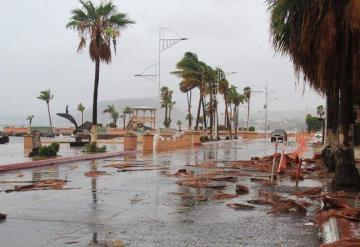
[343, 243]
[238, 206]
[95, 173]
[48, 184]
[224, 196]
[197, 198]
[309, 192]
[281, 204]
[346, 213]
[242, 189]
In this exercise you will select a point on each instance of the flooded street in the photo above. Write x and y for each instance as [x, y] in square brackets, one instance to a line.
[140, 208]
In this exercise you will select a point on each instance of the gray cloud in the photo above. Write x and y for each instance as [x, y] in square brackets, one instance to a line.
[37, 53]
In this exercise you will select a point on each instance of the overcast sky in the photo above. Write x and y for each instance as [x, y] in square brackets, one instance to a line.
[37, 52]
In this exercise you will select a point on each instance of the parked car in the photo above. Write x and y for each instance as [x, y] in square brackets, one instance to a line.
[278, 135]
[318, 137]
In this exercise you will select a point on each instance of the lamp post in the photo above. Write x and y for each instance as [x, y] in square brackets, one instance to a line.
[267, 101]
[164, 44]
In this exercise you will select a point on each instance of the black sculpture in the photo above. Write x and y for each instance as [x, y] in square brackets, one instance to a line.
[70, 118]
[79, 131]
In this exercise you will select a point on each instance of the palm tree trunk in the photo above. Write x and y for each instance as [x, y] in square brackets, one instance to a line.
[124, 121]
[48, 107]
[188, 96]
[204, 114]
[82, 118]
[226, 118]
[346, 174]
[96, 89]
[248, 113]
[166, 114]
[211, 115]
[198, 114]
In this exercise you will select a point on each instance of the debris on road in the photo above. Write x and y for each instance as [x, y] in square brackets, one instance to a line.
[309, 192]
[48, 184]
[224, 196]
[95, 173]
[238, 206]
[242, 189]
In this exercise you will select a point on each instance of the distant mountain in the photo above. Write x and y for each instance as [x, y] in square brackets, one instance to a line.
[289, 119]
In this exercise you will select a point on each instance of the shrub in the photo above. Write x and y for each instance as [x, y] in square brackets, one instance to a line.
[55, 146]
[92, 148]
[131, 133]
[252, 129]
[43, 151]
[46, 151]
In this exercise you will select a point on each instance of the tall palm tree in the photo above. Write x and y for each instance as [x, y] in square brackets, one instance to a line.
[113, 113]
[186, 86]
[322, 39]
[192, 70]
[102, 25]
[30, 118]
[127, 111]
[81, 108]
[224, 90]
[237, 100]
[171, 108]
[247, 94]
[168, 104]
[47, 97]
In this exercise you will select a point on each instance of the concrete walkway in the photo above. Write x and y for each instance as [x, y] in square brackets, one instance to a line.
[56, 161]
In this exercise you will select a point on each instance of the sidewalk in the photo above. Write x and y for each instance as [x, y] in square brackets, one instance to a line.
[56, 161]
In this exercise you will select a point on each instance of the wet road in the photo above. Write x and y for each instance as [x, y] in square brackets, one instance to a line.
[137, 208]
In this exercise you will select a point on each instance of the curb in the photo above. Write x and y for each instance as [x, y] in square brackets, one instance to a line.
[56, 161]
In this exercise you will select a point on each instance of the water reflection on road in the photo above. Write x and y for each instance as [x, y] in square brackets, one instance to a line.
[139, 209]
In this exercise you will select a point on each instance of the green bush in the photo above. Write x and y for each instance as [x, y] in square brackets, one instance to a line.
[43, 151]
[252, 129]
[46, 151]
[92, 148]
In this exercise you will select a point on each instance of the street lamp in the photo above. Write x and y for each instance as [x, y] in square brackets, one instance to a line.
[266, 107]
[164, 44]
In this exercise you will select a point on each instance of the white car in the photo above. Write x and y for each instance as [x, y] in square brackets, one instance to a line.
[318, 137]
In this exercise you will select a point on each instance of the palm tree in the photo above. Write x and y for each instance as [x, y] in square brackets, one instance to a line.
[171, 108]
[247, 94]
[322, 39]
[127, 111]
[192, 70]
[224, 90]
[47, 97]
[30, 118]
[167, 103]
[81, 108]
[186, 86]
[179, 123]
[102, 25]
[114, 114]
